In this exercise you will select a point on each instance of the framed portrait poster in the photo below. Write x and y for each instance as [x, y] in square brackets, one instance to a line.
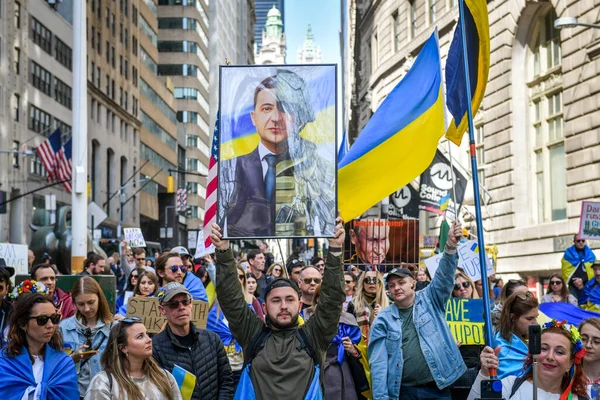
[277, 175]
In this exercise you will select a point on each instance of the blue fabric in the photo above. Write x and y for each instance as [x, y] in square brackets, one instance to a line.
[120, 301]
[437, 344]
[567, 312]
[195, 287]
[59, 380]
[351, 331]
[245, 389]
[497, 291]
[575, 257]
[512, 355]
[216, 323]
[591, 293]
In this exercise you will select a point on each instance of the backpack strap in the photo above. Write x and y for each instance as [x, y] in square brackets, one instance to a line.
[306, 346]
[516, 385]
[256, 345]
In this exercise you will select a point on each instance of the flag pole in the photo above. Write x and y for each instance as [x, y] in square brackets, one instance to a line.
[480, 241]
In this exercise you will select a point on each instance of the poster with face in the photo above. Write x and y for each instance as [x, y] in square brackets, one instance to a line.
[277, 151]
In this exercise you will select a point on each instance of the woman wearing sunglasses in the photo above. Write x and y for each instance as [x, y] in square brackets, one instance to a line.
[33, 364]
[146, 286]
[370, 297]
[131, 282]
[277, 271]
[130, 371]
[520, 310]
[86, 333]
[558, 292]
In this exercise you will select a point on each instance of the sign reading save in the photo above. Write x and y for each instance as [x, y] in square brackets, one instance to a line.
[465, 319]
[146, 308]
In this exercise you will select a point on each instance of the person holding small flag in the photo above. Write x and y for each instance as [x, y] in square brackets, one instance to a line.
[577, 266]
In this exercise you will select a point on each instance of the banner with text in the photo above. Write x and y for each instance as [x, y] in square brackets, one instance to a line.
[404, 203]
[134, 237]
[146, 308]
[589, 223]
[468, 261]
[15, 255]
[465, 319]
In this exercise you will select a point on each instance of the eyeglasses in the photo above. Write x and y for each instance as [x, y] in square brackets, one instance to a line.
[459, 285]
[174, 268]
[141, 259]
[555, 283]
[134, 276]
[348, 282]
[277, 270]
[131, 320]
[173, 305]
[580, 241]
[42, 320]
[524, 296]
[309, 280]
[241, 277]
[371, 281]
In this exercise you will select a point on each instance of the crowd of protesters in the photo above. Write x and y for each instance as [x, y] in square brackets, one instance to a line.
[288, 330]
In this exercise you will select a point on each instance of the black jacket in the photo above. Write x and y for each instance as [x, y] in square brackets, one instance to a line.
[206, 359]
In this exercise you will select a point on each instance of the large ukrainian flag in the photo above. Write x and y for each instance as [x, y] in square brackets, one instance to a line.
[477, 28]
[399, 140]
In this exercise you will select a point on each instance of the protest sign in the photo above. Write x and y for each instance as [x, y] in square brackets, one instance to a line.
[146, 308]
[465, 319]
[404, 203]
[468, 261]
[436, 194]
[15, 255]
[589, 222]
[201, 249]
[134, 237]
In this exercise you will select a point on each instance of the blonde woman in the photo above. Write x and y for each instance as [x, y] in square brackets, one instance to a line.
[276, 270]
[130, 371]
[369, 298]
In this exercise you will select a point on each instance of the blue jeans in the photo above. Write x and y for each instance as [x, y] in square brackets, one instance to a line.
[424, 392]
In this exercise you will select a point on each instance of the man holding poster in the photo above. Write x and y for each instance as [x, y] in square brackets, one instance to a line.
[285, 184]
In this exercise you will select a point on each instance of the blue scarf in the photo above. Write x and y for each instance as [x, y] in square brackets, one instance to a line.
[59, 380]
[574, 257]
[353, 332]
[216, 324]
[195, 287]
[245, 389]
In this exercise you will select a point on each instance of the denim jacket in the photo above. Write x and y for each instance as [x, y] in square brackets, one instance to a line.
[437, 344]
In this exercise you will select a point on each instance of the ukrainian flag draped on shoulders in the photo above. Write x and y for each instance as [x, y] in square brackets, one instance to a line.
[400, 139]
[477, 29]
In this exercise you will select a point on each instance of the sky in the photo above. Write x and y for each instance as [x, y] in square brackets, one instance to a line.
[324, 18]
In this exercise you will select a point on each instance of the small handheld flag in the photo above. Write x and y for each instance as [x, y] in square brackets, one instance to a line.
[185, 380]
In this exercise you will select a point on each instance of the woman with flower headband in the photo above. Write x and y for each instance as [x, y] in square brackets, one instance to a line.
[33, 365]
[560, 373]
[86, 333]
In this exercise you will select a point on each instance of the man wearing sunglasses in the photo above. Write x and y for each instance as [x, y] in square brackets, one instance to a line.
[280, 357]
[577, 266]
[170, 268]
[411, 350]
[310, 278]
[196, 350]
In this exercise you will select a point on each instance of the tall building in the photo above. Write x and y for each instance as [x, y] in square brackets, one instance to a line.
[261, 10]
[537, 131]
[273, 47]
[309, 52]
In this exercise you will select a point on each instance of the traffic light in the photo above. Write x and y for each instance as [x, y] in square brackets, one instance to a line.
[170, 184]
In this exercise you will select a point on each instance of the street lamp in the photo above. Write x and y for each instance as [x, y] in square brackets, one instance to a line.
[571, 22]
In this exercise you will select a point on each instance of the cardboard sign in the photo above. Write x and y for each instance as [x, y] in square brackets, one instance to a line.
[465, 319]
[15, 256]
[589, 222]
[468, 261]
[146, 308]
[201, 249]
[134, 237]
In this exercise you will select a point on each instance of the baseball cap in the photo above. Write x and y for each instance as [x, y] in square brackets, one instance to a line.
[596, 264]
[172, 289]
[181, 250]
[45, 257]
[278, 283]
[399, 272]
[10, 270]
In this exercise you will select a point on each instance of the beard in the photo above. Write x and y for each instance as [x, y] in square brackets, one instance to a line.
[273, 322]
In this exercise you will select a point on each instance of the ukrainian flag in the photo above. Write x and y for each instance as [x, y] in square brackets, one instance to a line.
[185, 380]
[399, 141]
[477, 28]
[239, 136]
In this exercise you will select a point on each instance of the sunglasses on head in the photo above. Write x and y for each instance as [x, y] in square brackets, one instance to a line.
[309, 280]
[173, 305]
[524, 296]
[42, 320]
[554, 283]
[465, 285]
[131, 320]
[174, 268]
[370, 280]
[519, 281]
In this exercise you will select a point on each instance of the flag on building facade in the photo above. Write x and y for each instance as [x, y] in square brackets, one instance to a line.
[210, 213]
[65, 166]
[477, 29]
[48, 153]
[400, 139]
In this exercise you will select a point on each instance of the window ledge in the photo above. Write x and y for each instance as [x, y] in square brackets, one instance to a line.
[593, 50]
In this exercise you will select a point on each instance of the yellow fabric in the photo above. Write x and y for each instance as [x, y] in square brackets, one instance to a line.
[568, 269]
[362, 348]
[211, 293]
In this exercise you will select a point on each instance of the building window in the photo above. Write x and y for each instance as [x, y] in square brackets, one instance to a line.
[39, 121]
[396, 31]
[17, 15]
[148, 61]
[99, 9]
[40, 78]
[158, 101]
[134, 15]
[36, 167]
[134, 45]
[41, 36]
[374, 51]
[99, 43]
[62, 93]
[99, 77]
[432, 15]
[17, 57]
[114, 24]
[178, 70]
[16, 107]
[148, 31]
[107, 18]
[413, 18]
[154, 128]
[126, 39]
[134, 76]
[107, 85]
[63, 53]
[113, 58]
[546, 123]
[121, 33]
[126, 68]
[107, 51]
[112, 87]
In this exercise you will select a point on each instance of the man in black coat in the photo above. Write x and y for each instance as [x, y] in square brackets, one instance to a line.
[196, 350]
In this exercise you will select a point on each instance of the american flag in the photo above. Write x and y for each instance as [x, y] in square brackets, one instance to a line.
[48, 153]
[210, 215]
[65, 166]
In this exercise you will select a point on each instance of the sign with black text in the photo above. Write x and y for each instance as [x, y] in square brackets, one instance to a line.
[436, 194]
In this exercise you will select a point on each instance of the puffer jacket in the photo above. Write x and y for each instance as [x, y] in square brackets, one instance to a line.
[206, 359]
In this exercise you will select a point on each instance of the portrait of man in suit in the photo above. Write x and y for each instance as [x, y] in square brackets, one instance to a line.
[285, 186]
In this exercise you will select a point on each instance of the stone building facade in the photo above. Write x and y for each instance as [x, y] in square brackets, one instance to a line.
[537, 130]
